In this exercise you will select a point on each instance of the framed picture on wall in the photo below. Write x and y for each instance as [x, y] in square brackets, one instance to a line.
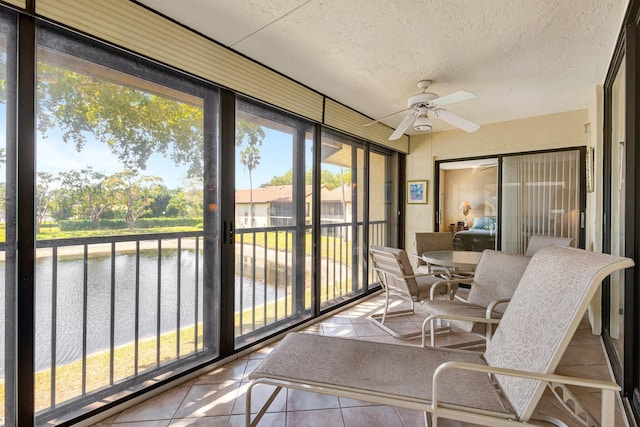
[417, 192]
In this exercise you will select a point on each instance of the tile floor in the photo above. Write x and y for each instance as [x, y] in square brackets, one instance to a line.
[217, 398]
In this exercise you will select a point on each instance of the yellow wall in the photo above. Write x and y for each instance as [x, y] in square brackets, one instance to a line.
[530, 134]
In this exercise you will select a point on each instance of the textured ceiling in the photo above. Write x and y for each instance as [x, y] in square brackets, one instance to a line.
[521, 58]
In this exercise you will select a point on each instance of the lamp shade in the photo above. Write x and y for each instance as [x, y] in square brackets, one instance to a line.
[465, 207]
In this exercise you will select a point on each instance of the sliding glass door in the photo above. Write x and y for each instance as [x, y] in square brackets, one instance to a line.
[620, 220]
[501, 202]
[541, 194]
[272, 221]
[616, 151]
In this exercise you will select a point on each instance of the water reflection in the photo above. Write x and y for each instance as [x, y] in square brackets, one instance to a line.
[158, 292]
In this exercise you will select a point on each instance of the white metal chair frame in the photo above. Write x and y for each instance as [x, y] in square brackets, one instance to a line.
[491, 316]
[394, 278]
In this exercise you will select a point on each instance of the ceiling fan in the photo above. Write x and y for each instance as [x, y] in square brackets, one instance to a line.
[423, 103]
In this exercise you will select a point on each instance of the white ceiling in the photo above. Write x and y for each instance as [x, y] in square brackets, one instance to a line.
[521, 58]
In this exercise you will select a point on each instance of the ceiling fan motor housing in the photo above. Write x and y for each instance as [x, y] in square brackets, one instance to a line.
[421, 99]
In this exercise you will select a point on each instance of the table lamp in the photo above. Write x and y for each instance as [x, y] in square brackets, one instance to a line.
[465, 207]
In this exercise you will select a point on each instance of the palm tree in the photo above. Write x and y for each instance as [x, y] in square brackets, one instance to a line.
[253, 135]
[250, 158]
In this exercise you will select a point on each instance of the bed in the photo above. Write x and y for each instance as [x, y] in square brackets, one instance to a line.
[481, 236]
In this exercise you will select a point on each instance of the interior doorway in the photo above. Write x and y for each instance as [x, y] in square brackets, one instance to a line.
[500, 202]
[468, 202]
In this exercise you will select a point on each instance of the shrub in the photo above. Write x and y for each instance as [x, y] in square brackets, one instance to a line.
[117, 224]
[166, 222]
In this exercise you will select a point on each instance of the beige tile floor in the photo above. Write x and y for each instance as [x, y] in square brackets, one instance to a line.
[217, 398]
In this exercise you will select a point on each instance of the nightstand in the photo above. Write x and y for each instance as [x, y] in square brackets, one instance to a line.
[455, 228]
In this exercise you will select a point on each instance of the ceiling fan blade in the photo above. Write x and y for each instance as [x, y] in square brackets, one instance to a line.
[386, 117]
[404, 125]
[456, 120]
[459, 96]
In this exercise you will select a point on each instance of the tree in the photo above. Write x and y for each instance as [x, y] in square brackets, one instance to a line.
[134, 193]
[159, 206]
[284, 179]
[43, 196]
[329, 179]
[251, 136]
[193, 193]
[134, 123]
[61, 205]
[92, 193]
[179, 203]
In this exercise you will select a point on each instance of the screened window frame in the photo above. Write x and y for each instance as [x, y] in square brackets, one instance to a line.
[53, 37]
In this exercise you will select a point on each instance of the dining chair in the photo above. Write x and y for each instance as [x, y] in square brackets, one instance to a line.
[429, 242]
[539, 241]
[491, 288]
[397, 278]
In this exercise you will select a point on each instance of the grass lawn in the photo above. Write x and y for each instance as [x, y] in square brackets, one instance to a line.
[47, 232]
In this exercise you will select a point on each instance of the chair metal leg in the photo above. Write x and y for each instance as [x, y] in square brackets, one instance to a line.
[577, 410]
[263, 410]
[427, 419]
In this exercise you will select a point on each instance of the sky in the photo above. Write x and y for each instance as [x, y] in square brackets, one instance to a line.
[54, 155]
[276, 158]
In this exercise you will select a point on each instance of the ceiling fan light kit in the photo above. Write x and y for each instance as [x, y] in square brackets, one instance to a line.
[425, 102]
[422, 124]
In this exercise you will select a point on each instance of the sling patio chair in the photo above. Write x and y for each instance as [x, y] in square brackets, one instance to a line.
[493, 285]
[396, 276]
[429, 242]
[500, 387]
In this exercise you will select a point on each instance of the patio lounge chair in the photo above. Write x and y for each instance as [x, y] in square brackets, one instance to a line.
[397, 278]
[543, 315]
[539, 241]
[496, 278]
[494, 282]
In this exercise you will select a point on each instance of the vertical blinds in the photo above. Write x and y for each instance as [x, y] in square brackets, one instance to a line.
[135, 28]
[540, 195]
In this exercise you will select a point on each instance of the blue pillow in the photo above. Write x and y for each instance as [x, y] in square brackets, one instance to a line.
[484, 223]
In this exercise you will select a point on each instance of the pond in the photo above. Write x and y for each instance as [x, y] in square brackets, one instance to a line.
[69, 301]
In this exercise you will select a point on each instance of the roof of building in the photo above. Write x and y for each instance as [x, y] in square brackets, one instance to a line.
[283, 193]
[269, 194]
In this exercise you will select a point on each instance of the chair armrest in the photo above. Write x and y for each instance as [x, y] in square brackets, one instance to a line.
[421, 261]
[463, 318]
[493, 305]
[408, 276]
[548, 378]
[607, 388]
[426, 322]
[450, 284]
